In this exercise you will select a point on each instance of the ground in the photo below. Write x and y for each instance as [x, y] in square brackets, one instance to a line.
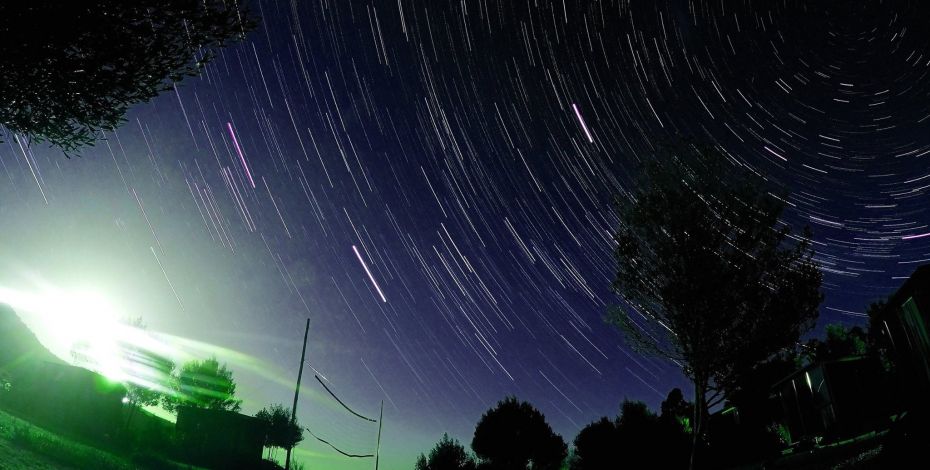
[45, 450]
[25, 445]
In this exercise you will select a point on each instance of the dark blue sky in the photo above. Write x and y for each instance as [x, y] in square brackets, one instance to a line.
[470, 151]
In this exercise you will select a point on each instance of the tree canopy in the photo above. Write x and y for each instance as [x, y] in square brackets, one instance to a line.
[71, 69]
[447, 454]
[203, 384]
[709, 275]
[515, 435]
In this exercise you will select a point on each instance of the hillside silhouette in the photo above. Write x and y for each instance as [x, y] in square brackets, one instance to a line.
[20, 350]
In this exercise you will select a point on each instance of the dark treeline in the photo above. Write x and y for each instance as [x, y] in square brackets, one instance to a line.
[742, 431]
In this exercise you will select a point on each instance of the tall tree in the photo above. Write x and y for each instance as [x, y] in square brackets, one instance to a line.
[71, 69]
[709, 275]
[203, 384]
[447, 454]
[515, 435]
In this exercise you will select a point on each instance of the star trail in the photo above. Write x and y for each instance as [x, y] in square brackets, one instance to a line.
[431, 183]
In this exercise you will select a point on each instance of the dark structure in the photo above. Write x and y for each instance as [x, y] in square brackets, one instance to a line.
[219, 438]
[833, 399]
[903, 325]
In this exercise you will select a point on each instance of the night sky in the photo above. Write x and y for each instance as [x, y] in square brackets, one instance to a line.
[431, 183]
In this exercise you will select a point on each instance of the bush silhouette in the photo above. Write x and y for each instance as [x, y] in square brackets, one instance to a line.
[515, 435]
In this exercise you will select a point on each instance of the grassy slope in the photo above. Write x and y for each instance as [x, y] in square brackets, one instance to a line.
[24, 445]
[13, 457]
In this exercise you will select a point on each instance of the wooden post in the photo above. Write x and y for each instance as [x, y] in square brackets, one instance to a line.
[300, 373]
[380, 422]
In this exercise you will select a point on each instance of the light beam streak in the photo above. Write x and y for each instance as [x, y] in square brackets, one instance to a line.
[241, 156]
[368, 271]
[583, 125]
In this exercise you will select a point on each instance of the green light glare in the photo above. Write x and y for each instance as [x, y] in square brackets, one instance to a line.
[63, 319]
[85, 328]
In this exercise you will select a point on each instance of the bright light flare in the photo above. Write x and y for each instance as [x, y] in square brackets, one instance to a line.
[83, 327]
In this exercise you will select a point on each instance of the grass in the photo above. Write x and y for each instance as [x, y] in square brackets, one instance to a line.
[23, 445]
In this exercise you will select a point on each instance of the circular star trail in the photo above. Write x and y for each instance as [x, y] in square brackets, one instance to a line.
[431, 183]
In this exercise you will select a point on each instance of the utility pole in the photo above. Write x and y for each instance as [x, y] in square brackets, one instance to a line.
[380, 423]
[300, 373]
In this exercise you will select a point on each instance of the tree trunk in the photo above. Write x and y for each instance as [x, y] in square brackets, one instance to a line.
[129, 415]
[700, 413]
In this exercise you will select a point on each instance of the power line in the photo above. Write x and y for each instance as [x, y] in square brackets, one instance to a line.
[324, 441]
[340, 401]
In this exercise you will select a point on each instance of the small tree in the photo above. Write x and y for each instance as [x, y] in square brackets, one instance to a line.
[596, 446]
[708, 274]
[676, 410]
[280, 432]
[447, 454]
[150, 378]
[203, 384]
[840, 342]
[148, 373]
[70, 69]
[674, 428]
[638, 434]
[515, 435]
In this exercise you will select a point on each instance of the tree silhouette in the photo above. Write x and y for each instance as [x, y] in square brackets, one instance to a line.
[676, 410]
[281, 432]
[840, 342]
[636, 439]
[637, 430]
[674, 429]
[596, 446]
[148, 373]
[71, 69]
[708, 273]
[447, 454]
[203, 384]
[515, 435]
